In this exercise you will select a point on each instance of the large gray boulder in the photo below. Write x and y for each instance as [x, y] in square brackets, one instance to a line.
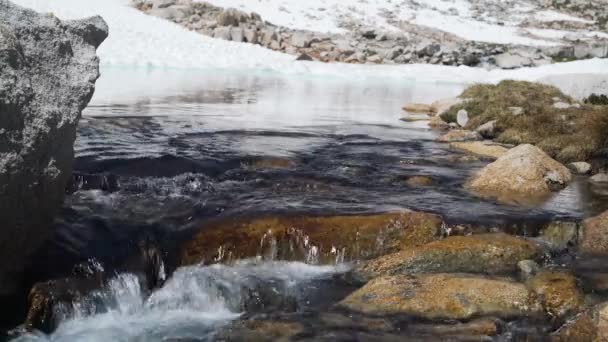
[48, 70]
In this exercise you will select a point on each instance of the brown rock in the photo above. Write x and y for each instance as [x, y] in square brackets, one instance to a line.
[442, 296]
[589, 326]
[594, 235]
[557, 292]
[525, 174]
[261, 331]
[329, 238]
[481, 148]
[417, 108]
[436, 122]
[271, 163]
[457, 135]
[483, 253]
[419, 181]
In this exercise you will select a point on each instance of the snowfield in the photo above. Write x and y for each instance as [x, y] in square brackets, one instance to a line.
[140, 41]
[453, 16]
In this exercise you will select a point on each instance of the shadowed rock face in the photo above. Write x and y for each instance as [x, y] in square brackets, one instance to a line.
[48, 70]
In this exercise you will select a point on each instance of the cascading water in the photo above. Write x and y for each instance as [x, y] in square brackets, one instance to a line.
[193, 303]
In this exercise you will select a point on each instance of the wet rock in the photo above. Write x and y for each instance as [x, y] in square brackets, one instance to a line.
[48, 73]
[557, 292]
[475, 330]
[581, 168]
[525, 174]
[599, 178]
[417, 108]
[559, 236]
[591, 325]
[484, 253]
[481, 148]
[323, 239]
[82, 181]
[270, 163]
[442, 296]
[594, 235]
[266, 298]
[459, 135]
[441, 106]
[261, 330]
[487, 130]
[528, 268]
[462, 118]
[45, 300]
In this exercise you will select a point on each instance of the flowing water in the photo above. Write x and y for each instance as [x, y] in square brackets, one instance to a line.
[162, 151]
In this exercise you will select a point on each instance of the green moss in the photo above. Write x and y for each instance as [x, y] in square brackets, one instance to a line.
[599, 100]
[571, 134]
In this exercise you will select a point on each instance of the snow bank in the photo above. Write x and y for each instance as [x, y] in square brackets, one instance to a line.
[137, 40]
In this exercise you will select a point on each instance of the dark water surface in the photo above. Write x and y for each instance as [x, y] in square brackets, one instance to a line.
[189, 147]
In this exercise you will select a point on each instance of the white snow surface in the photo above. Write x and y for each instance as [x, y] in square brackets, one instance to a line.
[453, 16]
[141, 41]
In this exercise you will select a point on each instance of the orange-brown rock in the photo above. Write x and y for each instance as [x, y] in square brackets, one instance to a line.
[442, 296]
[594, 235]
[314, 238]
[557, 292]
[483, 253]
[417, 108]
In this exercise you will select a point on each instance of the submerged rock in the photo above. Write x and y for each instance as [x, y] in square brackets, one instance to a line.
[48, 70]
[588, 326]
[417, 108]
[594, 235]
[524, 174]
[442, 296]
[557, 292]
[483, 253]
[315, 239]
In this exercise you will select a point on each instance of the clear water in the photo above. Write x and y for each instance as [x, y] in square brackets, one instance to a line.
[181, 146]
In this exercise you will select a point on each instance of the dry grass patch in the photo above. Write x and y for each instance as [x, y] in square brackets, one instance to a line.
[567, 134]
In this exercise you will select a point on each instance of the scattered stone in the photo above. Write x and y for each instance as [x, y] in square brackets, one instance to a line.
[301, 39]
[561, 105]
[442, 296]
[516, 111]
[599, 178]
[525, 174]
[557, 292]
[481, 148]
[417, 108]
[593, 237]
[511, 61]
[559, 236]
[581, 168]
[484, 253]
[457, 135]
[462, 118]
[487, 130]
[48, 69]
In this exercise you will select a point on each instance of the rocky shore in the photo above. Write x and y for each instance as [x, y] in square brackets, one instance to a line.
[363, 44]
[48, 70]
